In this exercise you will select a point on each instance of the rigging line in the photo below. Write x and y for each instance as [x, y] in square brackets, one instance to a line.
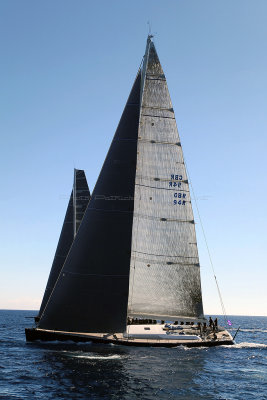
[160, 255]
[159, 108]
[156, 79]
[206, 242]
[156, 116]
[149, 141]
[160, 188]
[163, 262]
[77, 273]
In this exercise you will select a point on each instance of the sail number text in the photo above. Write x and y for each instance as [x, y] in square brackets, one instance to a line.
[179, 198]
[176, 178]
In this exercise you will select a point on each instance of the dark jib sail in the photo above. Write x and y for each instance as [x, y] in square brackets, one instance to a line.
[91, 292]
[77, 205]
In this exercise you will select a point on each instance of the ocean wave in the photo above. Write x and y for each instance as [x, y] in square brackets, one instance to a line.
[246, 345]
[248, 330]
[93, 357]
[115, 357]
[253, 330]
[184, 347]
[242, 345]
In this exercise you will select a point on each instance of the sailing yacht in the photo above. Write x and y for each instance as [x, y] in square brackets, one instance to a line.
[132, 273]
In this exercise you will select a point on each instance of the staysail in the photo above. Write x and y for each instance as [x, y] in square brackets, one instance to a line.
[165, 270]
[78, 202]
[91, 292]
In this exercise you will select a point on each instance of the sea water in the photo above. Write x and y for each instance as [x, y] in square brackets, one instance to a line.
[97, 371]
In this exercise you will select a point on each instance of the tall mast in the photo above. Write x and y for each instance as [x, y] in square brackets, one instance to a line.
[144, 66]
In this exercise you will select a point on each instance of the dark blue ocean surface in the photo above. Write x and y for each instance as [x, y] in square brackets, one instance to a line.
[89, 371]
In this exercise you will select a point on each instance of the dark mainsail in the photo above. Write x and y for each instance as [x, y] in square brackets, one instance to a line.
[91, 292]
[78, 202]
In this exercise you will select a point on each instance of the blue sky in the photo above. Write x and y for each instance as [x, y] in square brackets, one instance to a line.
[65, 74]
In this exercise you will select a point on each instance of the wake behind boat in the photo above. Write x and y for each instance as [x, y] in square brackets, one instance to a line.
[134, 256]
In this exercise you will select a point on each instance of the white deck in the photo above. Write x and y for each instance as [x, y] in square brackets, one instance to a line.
[157, 332]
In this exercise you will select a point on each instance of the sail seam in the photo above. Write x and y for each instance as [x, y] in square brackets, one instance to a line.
[163, 219]
[159, 142]
[79, 273]
[125, 140]
[161, 179]
[114, 211]
[155, 79]
[165, 262]
[157, 116]
[162, 255]
[161, 188]
[159, 108]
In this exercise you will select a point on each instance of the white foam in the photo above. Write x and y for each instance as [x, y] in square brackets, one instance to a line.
[247, 345]
[93, 357]
[114, 357]
[253, 330]
[184, 347]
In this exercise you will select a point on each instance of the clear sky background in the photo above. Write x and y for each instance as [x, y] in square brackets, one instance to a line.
[66, 70]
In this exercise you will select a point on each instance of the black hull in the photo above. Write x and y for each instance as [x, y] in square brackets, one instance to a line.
[33, 334]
